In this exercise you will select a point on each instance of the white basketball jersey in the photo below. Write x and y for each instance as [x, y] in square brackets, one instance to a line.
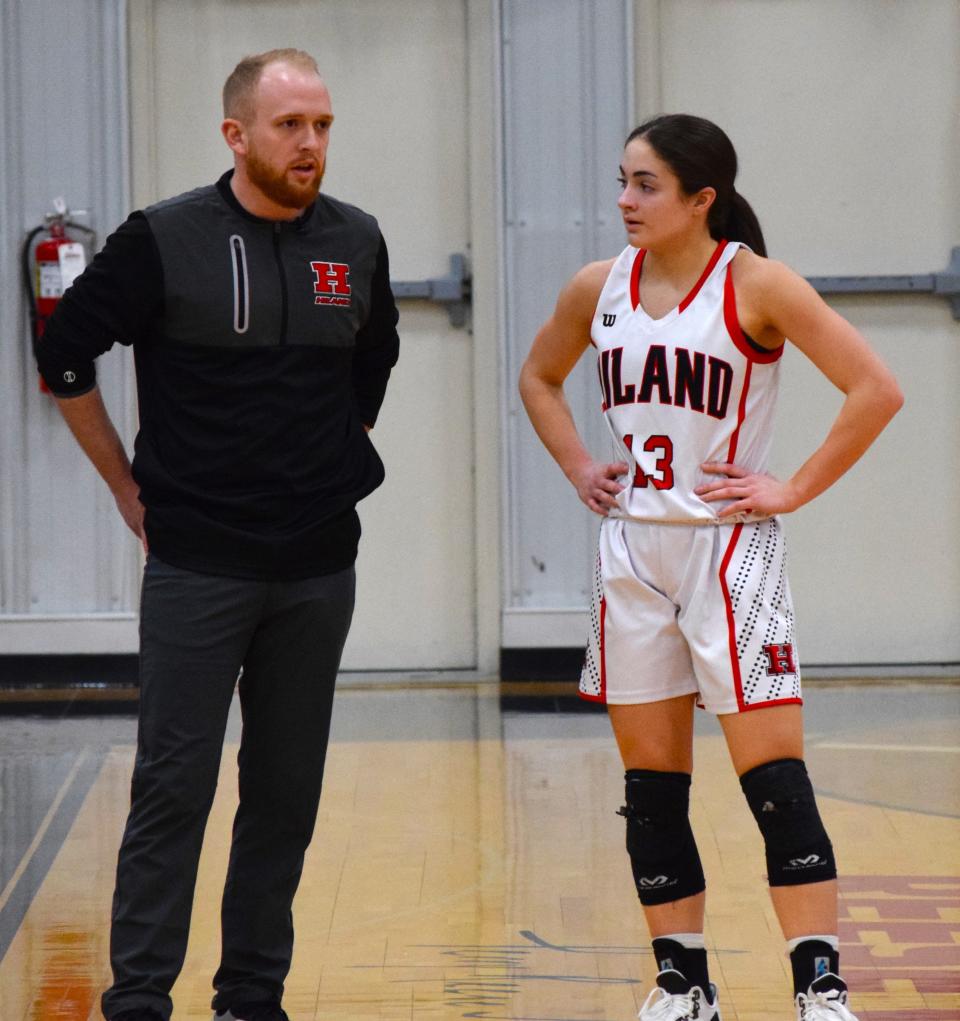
[678, 391]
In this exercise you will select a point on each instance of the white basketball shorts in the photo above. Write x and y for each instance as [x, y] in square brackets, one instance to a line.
[682, 609]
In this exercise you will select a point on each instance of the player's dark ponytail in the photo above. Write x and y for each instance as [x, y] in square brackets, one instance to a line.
[702, 156]
[741, 224]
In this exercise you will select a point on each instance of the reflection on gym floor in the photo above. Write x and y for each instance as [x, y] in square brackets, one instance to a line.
[469, 863]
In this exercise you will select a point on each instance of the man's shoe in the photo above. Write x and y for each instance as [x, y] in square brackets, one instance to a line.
[263, 1011]
[825, 1000]
[138, 1014]
[674, 999]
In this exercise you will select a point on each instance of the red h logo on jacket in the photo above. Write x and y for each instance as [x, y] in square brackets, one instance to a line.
[331, 284]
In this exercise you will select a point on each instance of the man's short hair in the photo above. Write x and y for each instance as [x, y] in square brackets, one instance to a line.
[239, 88]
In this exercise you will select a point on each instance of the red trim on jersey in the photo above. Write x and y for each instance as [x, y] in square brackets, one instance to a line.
[717, 252]
[635, 278]
[741, 415]
[732, 321]
[731, 625]
[694, 291]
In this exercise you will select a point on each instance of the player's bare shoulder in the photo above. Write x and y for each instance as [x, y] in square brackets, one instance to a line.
[759, 279]
[566, 333]
[752, 270]
[581, 293]
[762, 285]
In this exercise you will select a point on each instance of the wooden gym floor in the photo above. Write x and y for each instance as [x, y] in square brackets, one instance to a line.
[469, 863]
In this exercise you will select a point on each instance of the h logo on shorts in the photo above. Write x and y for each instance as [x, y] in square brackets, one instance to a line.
[780, 659]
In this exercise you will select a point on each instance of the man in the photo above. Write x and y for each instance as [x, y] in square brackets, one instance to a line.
[264, 331]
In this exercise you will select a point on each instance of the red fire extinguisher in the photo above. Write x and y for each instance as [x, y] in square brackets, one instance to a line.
[56, 261]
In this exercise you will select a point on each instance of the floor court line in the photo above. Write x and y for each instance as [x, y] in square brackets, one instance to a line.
[42, 829]
[27, 879]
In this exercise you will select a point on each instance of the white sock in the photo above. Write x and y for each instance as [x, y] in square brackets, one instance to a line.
[792, 944]
[690, 940]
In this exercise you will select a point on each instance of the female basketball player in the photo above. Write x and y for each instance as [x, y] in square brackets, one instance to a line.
[692, 603]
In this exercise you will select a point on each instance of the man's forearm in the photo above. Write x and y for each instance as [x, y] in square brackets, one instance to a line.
[91, 425]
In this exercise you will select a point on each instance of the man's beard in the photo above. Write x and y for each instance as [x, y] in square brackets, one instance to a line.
[275, 185]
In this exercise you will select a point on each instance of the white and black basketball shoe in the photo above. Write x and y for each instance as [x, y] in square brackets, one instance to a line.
[824, 1000]
[674, 999]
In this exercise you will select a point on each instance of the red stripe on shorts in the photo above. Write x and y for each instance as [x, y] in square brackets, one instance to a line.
[746, 707]
[731, 624]
[603, 651]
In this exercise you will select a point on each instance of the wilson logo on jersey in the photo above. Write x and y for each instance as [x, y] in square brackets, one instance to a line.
[695, 381]
[780, 659]
[331, 283]
[609, 318]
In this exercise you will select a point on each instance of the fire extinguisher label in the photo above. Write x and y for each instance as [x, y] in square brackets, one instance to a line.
[73, 261]
[53, 278]
[50, 280]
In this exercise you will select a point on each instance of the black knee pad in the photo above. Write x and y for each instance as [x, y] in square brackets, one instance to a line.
[663, 854]
[781, 798]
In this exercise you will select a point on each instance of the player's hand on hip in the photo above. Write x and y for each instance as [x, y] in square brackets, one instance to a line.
[597, 485]
[127, 497]
[751, 493]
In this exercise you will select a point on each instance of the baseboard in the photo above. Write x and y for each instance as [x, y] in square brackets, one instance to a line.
[550, 664]
[46, 670]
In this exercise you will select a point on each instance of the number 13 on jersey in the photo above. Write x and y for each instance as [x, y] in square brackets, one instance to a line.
[662, 477]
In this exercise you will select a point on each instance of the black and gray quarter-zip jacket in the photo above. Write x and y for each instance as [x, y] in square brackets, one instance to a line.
[261, 349]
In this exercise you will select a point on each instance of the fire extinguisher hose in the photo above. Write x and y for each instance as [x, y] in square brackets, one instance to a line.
[28, 283]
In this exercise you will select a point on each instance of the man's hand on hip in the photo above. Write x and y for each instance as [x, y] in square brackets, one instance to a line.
[127, 496]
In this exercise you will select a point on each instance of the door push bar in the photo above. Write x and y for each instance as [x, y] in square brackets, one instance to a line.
[946, 284]
[454, 290]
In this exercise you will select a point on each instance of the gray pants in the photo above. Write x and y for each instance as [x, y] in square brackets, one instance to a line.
[196, 631]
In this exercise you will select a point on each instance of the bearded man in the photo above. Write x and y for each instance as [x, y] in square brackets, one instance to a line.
[264, 331]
